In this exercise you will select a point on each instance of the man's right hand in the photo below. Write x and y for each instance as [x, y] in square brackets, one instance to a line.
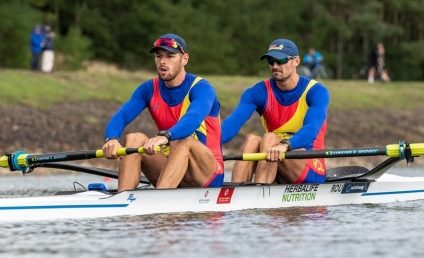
[110, 148]
[275, 153]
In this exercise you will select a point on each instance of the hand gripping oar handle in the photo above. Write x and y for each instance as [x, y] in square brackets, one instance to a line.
[23, 161]
[391, 150]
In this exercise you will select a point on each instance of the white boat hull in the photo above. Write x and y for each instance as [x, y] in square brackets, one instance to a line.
[93, 204]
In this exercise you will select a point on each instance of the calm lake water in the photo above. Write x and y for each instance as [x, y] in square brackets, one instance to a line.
[389, 230]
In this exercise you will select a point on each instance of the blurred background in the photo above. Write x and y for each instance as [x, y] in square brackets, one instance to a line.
[224, 37]
[67, 66]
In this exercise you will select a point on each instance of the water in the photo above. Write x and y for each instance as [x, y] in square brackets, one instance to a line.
[388, 230]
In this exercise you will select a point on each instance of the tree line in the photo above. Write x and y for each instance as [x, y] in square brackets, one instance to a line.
[223, 36]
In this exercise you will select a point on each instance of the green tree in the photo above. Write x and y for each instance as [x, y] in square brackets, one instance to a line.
[75, 49]
[15, 29]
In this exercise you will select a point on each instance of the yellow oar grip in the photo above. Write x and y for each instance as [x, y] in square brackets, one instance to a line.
[417, 149]
[3, 162]
[22, 162]
[392, 150]
[254, 156]
[121, 152]
[141, 150]
[258, 156]
[99, 154]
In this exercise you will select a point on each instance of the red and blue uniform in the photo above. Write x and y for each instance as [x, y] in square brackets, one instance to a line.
[299, 115]
[190, 109]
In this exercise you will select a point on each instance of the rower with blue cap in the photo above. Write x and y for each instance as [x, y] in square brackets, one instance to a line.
[293, 111]
[185, 109]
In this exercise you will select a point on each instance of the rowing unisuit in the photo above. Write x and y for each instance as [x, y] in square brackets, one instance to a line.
[177, 110]
[299, 114]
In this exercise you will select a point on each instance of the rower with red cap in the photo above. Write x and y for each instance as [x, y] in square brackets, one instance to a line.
[185, 109]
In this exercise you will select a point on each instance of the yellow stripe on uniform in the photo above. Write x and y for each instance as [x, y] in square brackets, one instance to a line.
[186, 104]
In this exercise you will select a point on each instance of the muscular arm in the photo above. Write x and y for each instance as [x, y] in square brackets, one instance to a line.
[128, 111]
[202, 98]
[249, 102]
[318, 99]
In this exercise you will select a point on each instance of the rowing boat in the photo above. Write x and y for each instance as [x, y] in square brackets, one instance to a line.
[94, 203]
[346, 185]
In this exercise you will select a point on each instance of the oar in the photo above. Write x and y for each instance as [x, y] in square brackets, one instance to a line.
[401, 150]
[23, 161]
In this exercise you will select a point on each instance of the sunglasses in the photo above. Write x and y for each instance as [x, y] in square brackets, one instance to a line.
[168, 42]
[272, 60]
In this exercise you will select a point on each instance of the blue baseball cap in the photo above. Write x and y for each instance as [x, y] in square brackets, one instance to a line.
[281, 48]
[170, 42]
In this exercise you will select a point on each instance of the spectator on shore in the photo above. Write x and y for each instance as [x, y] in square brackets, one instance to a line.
[314, 62]
[377, 64]
[47, 59]
[37, 41]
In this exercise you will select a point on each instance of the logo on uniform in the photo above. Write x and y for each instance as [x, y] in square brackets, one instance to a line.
[318, 165]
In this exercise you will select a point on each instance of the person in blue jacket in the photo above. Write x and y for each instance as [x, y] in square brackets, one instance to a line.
[314, 60]
[37, 44]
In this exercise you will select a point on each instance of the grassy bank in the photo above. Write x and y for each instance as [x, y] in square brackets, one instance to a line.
[44, 90]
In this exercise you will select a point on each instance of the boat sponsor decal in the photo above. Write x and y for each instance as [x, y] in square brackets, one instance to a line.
[225, 195]
[204, 199]
[336, 188]
[131, 197]
[355, 187]
[300, 193]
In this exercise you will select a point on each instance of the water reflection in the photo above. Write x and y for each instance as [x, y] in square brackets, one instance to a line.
[220, 233]
[297, 214]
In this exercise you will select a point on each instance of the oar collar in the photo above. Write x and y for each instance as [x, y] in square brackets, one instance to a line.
[17, 161]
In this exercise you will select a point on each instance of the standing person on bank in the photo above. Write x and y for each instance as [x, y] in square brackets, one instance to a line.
[377, 64]
[314, 61]
[47, 59]
[185, 109]
[37, 44]
[293, 110]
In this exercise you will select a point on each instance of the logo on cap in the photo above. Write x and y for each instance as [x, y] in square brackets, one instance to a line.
[275, 47]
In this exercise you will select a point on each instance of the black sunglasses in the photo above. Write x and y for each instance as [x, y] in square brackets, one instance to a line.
[272, 60]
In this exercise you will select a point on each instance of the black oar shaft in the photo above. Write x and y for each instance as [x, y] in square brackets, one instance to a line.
[335, 153]
[61, 156]
[22, 161]
[340, 153]
[70, 156]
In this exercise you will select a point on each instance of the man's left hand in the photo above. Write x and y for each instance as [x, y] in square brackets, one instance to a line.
[150, 146]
